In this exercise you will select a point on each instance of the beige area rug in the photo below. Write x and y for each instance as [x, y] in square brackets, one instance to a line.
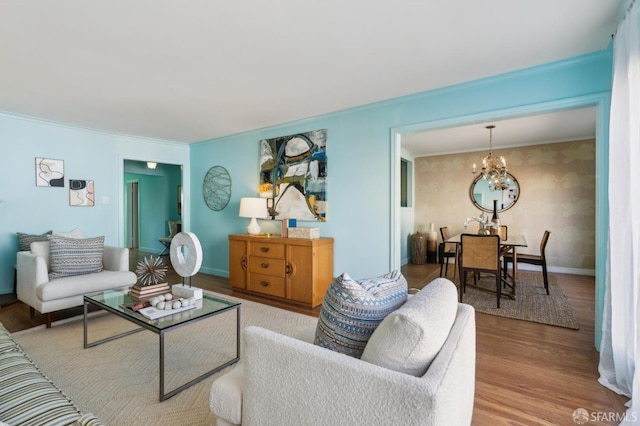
[118, 380]
[531, 303]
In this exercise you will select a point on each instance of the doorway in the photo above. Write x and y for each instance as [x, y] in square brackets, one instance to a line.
[152, 197]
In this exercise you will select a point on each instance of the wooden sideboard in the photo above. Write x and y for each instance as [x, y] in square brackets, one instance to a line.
[292, 269]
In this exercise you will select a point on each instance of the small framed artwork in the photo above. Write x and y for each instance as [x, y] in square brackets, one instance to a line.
[49, 172]
[81, 193]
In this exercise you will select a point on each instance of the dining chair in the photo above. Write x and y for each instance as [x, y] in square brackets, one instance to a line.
[480, 254]
[504, 232]
[174, 228]
[533, 259]
[446, 250]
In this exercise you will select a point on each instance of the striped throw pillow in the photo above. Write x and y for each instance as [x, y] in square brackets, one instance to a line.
[351, 310]
[25, 240]
[73, 256]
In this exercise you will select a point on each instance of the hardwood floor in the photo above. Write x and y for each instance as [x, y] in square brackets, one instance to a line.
[526, 373]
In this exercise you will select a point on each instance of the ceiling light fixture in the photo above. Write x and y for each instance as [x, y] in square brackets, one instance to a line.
[494, 169]
[151, 164]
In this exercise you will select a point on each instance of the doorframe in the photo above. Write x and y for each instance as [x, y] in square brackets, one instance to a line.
[163, 158]
[601, 101]
[130, 216]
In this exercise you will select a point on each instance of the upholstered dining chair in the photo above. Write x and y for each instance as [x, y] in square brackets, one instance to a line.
[480, 254]
[533, 259]
[446, 250]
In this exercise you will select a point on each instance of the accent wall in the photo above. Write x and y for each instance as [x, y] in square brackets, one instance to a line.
[362, 146]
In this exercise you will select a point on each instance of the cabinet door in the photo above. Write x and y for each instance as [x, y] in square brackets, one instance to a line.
[299, 271]
[238, 264]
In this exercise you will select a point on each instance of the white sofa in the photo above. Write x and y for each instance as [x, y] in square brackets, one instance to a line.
[287, 381]
[35, 289]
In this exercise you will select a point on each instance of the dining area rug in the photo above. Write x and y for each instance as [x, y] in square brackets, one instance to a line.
[530, 304]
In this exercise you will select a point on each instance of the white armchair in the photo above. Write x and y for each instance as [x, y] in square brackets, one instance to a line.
[35, 289]
[286, 381]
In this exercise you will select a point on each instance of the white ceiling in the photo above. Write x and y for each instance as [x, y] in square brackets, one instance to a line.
[562, 126]
[193, 70]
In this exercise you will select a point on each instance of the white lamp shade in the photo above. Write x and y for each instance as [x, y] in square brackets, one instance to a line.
[253, 207]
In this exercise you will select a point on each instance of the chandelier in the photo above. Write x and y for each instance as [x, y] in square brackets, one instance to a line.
[494, 169]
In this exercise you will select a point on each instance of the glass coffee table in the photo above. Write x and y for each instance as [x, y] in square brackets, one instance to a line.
[208, 306]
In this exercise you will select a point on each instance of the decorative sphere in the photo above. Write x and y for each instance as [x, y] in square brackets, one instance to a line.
[161, 297]
[168, 296]
[185, 303]
[168, 306]
[160, 305]
[154, 301]
[176, 304]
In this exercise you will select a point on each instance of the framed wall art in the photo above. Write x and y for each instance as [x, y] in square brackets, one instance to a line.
[81, 193]
[293, 176]
[49, 172]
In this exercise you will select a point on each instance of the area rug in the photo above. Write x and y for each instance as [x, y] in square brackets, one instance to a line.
[531, 303]
[118, 381]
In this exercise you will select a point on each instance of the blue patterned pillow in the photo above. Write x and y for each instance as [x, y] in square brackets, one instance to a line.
[73, 256]
[351, 310]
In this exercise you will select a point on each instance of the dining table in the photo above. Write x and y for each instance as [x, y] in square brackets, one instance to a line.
[509, 244]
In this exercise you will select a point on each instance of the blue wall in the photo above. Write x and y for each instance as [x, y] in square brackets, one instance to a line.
[360, 149]
[359, 152]
[87, 154]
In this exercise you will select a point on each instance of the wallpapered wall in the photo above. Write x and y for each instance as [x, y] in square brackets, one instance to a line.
[557, 192]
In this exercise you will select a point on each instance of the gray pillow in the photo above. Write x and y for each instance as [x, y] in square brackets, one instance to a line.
[75, 256]
[25, 240]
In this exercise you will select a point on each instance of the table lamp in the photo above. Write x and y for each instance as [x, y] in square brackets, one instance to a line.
[253, 208]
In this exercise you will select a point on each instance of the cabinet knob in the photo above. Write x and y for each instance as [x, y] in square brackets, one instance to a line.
[264, 265]
[264, 249]
[264, 283]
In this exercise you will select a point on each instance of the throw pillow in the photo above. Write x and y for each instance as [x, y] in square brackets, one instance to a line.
[409, 339]
[74, 233]
[351, 310]
[75, 256]
[25, 240]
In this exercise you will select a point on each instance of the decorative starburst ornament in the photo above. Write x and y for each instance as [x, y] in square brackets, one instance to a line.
[151, 271]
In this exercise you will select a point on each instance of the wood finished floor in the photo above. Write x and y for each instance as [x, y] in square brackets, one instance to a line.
[526, 373]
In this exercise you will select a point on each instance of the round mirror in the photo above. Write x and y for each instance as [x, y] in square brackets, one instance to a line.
[482, 194]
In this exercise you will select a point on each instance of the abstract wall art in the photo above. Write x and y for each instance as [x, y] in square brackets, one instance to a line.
[293, 176]
[81, 193]
[49, 172]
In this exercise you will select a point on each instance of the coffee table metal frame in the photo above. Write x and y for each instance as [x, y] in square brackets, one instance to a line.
[150, 325]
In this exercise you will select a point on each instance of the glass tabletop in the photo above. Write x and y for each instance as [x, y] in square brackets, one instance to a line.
[117, 300]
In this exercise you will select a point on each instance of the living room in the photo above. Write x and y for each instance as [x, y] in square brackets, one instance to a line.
[361, 147]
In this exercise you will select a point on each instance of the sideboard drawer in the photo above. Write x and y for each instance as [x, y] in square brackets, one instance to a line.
[266, 266]
[267, 284]
[267, 250]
